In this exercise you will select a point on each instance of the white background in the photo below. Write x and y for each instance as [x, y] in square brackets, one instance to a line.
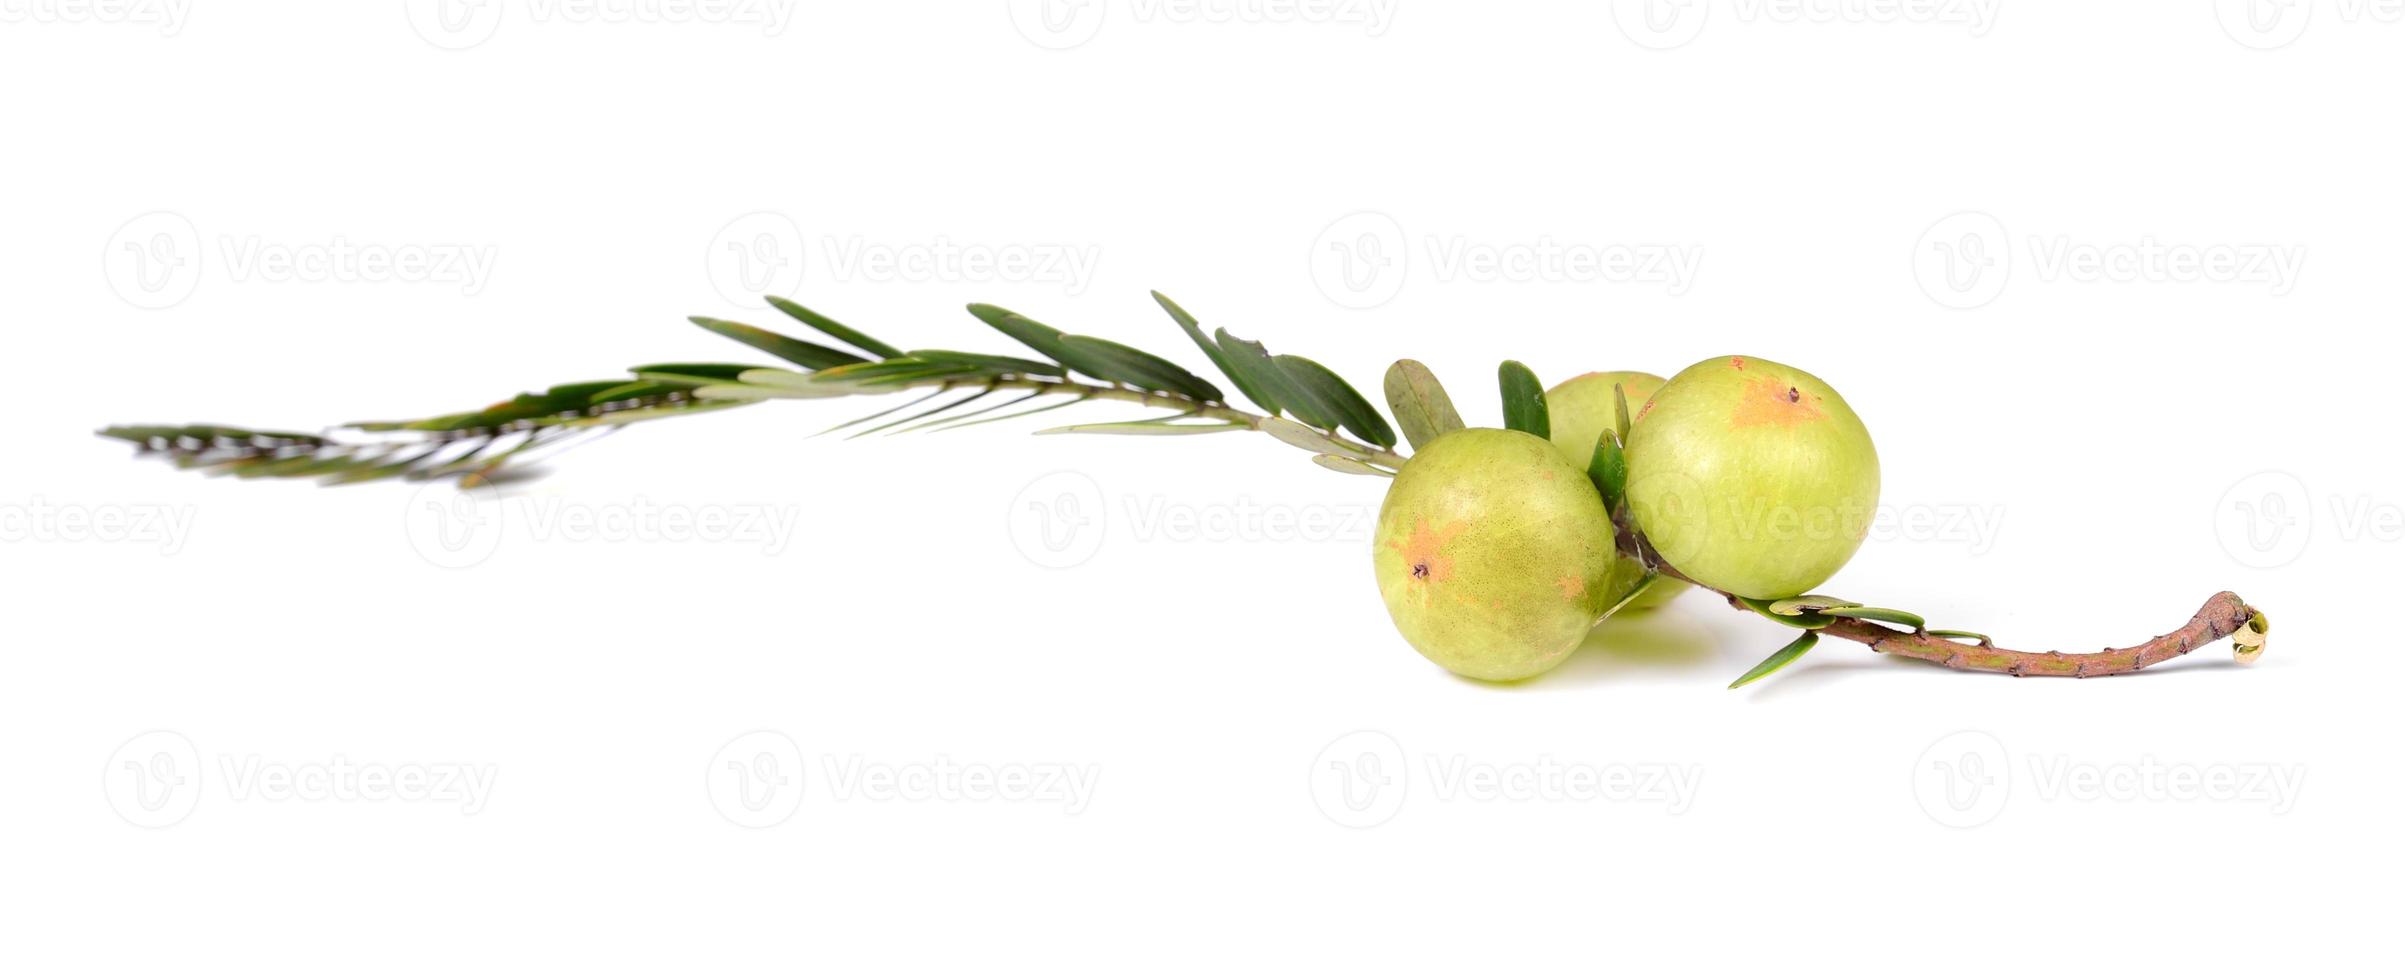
[2070, 453]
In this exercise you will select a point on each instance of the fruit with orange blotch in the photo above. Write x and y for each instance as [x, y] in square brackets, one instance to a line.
[1752, 477]
[1494, 554]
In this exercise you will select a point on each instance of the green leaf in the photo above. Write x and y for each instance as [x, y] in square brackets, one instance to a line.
[1608, 469]
[893, 371]
[1643, 584]
[1421, 407]
[1899, 617]
[630, 390]
[1257, 375]
[1802, 621]
[1185, 321]
[937, 410]
[994, 363]
[1620, 408]
[692, 374]
[1038, 337]
[1304, 437]
[1150, 427]
[1821, 605]
[968, 418]
[750, 392]
[833, 329]
[1326, 392]
[1524, 401]
[1038, 410]
[873, 416]
[1114, 361]
[1351, 466]
[800, 352]
[1806, 604]
[1786, 655]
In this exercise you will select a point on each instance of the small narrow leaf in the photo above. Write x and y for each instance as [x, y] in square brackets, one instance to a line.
[1786, 655]
[1257, 375]
[965, 418]
[800, 352]
[1304, 437]
[1153, 427]
[777, 378]
[1524, 401]
[896, 371]
[1038, 410]
[828, 326]
[1422, 409]
[1639, 589]
[1349, 465]
[1804, 604]
[937, 410]
[1608, 469]
[758, 392]
[873, 416]
[1899, 617]
[1620, 408]
[1042, 339]
[1802, 621]
[995, 363]
[694, 374]
[634, 390]
[1325, 391]
[1219, 358]
[1114, 361]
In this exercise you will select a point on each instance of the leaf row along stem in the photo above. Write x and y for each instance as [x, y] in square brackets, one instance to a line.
[1082, 391]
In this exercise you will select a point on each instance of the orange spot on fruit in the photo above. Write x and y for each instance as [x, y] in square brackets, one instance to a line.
[1769, 401]
[1737, 362]
[1572, 586]
[1424, 551]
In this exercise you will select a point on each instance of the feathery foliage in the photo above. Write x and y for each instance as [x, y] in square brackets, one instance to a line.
[1069, 369]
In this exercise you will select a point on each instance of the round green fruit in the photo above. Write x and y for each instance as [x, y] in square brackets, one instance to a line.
[1582, 408]
[1494, 555]
[1752, 477]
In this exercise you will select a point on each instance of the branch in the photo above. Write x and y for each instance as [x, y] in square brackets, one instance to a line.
[2224, 615]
